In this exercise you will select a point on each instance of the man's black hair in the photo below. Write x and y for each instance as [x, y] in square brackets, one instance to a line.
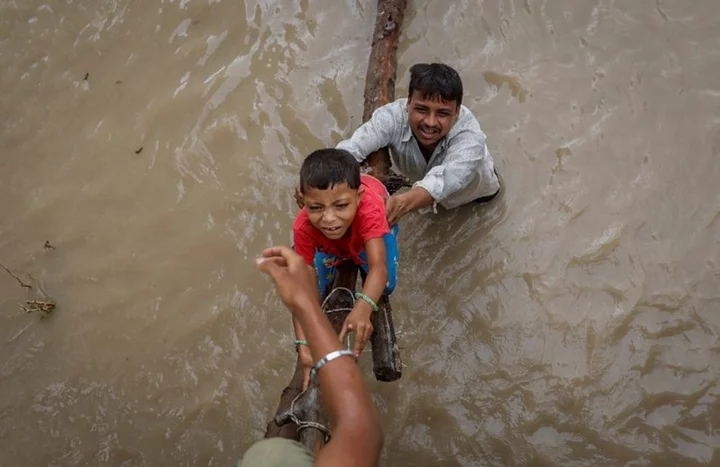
[436, 81]
[326, 168]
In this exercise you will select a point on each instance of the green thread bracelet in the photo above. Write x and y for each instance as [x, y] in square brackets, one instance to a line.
[361, 295]
[300, 342]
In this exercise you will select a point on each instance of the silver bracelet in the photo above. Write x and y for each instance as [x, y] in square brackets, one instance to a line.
[328, 358]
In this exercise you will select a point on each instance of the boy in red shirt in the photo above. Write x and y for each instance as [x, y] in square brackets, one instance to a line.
[344, 218]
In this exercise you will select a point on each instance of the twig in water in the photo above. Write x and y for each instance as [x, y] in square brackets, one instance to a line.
[23, 284]
[21, 331]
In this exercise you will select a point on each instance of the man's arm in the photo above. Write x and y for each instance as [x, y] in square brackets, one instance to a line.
[467, 166]
[399, 205]
[357, 437]
[376, 133]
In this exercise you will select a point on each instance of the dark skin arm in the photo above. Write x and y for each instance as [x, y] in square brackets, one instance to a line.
[359, 319]
[357, 437]
[399, 205]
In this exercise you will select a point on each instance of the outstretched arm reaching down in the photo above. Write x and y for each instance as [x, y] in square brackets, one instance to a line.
[357, 434]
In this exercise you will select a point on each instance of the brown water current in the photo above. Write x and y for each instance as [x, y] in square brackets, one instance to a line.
[573, 321]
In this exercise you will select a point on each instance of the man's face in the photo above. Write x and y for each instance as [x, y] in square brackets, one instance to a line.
[332, 211]
[430, 119]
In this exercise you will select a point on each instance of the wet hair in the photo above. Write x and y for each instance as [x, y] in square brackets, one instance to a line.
[436, 81]
[326, 168]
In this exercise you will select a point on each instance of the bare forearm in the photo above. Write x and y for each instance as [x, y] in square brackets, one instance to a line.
[375, 282]
[357, 435]
[299, 334]
[399, 205]
[417, 198]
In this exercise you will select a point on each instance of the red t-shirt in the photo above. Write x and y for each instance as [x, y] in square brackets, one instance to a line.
[370, 222]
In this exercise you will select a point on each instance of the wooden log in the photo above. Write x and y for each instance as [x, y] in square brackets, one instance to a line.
[387, 365]
[380, 90]
[382, 73]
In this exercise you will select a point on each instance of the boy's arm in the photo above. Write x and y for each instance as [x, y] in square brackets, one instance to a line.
[377, 269]
[359, 319]
[299, 334]
[376, 133]
[305, 247]
[303, 350]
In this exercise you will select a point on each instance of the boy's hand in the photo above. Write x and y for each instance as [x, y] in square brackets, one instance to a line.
[358, 321]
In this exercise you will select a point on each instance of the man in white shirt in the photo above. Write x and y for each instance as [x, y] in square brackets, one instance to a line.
[434, 140]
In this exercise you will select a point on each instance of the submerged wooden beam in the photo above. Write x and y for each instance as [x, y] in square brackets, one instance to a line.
[379, 90]
[382, 72]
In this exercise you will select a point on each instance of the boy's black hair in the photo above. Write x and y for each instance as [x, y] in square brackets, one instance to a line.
[326, 168]
[436, 80]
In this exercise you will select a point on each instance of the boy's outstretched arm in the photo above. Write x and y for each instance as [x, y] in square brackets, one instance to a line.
[303, 350]
[359, 319]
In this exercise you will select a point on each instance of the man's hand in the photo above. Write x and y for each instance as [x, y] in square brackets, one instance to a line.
[397, 206]
[395, 209]
[358, 321]
[293, 278]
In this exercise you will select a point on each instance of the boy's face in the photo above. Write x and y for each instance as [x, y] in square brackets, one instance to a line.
[430, 119]
[332, 211]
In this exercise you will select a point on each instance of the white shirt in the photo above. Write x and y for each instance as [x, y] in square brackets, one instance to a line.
[460, 169]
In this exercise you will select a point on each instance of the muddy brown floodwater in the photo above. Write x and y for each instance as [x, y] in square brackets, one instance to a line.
[574, 321]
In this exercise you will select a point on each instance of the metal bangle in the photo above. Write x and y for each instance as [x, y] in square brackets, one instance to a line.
[328, 358]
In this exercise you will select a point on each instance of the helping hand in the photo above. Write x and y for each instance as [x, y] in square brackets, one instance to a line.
[395, 208]
[293, 279]
[358, 321]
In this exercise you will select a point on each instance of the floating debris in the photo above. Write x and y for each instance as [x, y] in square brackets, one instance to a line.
[43, 306]
[22, 284]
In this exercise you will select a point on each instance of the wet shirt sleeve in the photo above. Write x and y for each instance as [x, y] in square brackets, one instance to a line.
[380, 131]
[466, 173]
